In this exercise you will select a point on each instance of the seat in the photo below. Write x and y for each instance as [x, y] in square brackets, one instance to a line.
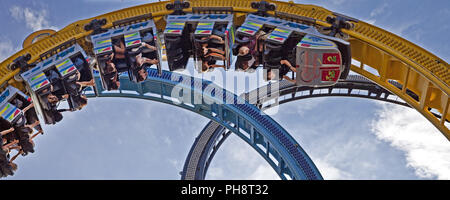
[201, 41]
[220, 33]
[235, 48]
[42, 95]
[272, 65]
[121, 67]
[242, 41]
[172, 39]
[174, 52]
[274, 47]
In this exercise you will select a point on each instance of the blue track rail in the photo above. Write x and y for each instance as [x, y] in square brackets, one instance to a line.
[260, 131]
[213, 135]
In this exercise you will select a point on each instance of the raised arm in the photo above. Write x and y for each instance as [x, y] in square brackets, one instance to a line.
[28, 108]
[216, 50]
[287, 63]
[86, 83]
[32, 125]
[15, 156]
[216, 55]
[5, 132]
[149, 46]
[217, 38]
[36, 134]
[289, 79]
[7, 146]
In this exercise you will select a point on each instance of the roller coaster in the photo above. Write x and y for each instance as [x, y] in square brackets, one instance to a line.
[304, 51]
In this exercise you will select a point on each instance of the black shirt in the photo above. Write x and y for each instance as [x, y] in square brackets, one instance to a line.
[83, 68]
[284, 69]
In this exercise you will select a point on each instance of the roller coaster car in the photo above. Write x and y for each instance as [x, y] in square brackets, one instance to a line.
[279, 50]
[136, 43]
[206, 37]
[260, 40]
[319, 60]
[57, 77]
[17, 108]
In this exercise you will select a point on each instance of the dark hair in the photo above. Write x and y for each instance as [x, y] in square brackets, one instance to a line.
[24, 142]
[57, 116]
[113, 85]
[3, 157]
[82, 100]
[246, 57]
[242, 59]
[109, 69]
[5, 166]
[140, 78]
[4, 124]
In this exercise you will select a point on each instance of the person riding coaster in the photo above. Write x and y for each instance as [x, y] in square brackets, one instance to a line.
[249, 51]
[69, 88]
[19, 133]
[143, 57]
[15, 136]
[177, 51]
[276, 58]
[119, 55]
[210, 50]
[110, 73]
[85, 77]
[7, 168]
[27, 108]
[282, 71]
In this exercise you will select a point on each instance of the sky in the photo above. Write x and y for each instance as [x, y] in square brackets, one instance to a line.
[347, 138]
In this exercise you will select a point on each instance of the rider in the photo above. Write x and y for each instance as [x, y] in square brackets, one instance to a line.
[282, 73]
[7, 142]
[249, 54]
[286, 55]
[210, 51]
[27, 108]
[84, 73]
[111, 75]
[119, 55]
[142, 59]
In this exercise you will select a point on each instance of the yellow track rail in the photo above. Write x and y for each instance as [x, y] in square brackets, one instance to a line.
[392, 57]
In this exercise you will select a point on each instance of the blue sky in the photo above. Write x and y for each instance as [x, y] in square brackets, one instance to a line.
[347, 138]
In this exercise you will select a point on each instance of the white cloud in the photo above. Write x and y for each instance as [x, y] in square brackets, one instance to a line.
[379, 10]
[237, 160]
[330, 172]
[305, 106]
[118, 1]
[427, 151]
[301, 108]
[34, 19]
[401, 28]
[6, 49]
[167, 141]
[371, 21]
[215, 173]
[338, 2]
[263, 172]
